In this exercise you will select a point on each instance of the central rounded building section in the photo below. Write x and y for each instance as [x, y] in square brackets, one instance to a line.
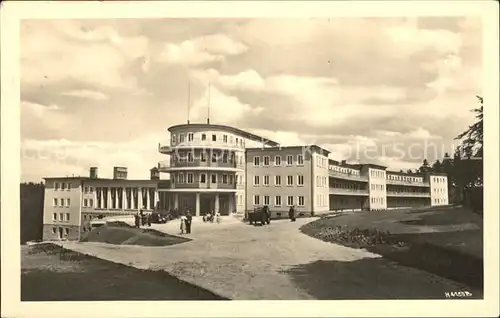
[207, 168]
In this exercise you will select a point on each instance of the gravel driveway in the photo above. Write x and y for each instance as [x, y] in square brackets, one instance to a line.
[244, 262]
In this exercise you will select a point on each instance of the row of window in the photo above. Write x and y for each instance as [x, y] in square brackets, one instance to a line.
[438, 190]
[404, 178]
[62, 186]
[203, 137]
[380, 200]
[277, 180]
[322, 199]
[88, 189]
[344, 170]
[290, 200]
[62, 217]
[202, 178]
[377, 173]
[266, 160]
[61, 202]
[190, 157]
[439, 179]
[380, 187]
[440, 201]
[352, 186]
[61, 230]
[321, 181]
[321, 162]
[88, 203]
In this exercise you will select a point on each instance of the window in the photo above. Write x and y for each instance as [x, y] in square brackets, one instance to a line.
[230, 179]
[55, 201]
[85, 202]
[91, 203]
[214, 178]
[214, 157]
[190, 157]
[224, 158]
[277, 200]
[224, 178]
[69, 186]
[54, 230]
[256, 161]
[266, 200]
[301, 201]
[67, 217]
[266, 180]
[289, 180]
[277, 180]
[190, 137]
[289, 200]
[181, 138]
[190, 178]
[203, 178]
[63, 186]
[289, 160]
[61, 216]
[61, 203]
[173, 140]
[203, 157]
[214, 137]
[203, 137]
[224, 138]
[256, 200]
[86, 189]
[277, 160]
[66, 230]
[266, 160]
[67, 202]
[300, 159]
[91, 189]
[236, 141]
[54, 217]
[181, 177]
[236, 179]
[256, 180]
[300, 180]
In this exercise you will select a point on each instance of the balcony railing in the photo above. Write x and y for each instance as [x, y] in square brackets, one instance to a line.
[407, 183]
[199, 185]
[347, 176]
[208, 144]
[349, 191]
[163, 166]
[408, 194]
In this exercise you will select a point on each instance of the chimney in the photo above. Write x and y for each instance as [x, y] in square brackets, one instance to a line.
[94, 173]
[120, 173]
[343, 162]
[154, 174]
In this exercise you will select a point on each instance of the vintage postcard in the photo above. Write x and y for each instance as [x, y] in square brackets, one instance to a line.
[291, 159]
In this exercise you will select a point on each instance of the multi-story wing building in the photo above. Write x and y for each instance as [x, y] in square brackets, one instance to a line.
[228, 170]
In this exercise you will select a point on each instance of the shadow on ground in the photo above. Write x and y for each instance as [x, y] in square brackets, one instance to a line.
[368, 278]
[52, 273]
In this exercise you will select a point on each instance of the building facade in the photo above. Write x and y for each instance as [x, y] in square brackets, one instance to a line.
[217, 168]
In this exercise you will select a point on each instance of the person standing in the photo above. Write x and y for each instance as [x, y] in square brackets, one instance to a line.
[189, 219]
[291, 213]
[183, 224]
[137, 220]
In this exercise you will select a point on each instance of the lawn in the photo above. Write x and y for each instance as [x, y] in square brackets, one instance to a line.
[444, 241]
[52, 273]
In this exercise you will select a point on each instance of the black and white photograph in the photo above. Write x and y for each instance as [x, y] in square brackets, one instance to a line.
[226, 156]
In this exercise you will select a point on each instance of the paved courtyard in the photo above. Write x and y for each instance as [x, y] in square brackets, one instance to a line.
[244, 262]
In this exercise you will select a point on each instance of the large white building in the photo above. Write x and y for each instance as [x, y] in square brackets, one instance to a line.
[225, 169]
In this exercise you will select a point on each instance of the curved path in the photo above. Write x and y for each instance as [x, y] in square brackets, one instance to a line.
[244, 262]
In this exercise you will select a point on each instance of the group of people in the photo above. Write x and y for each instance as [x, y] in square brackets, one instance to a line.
[211, 217]
[186, 221]
[142, 219]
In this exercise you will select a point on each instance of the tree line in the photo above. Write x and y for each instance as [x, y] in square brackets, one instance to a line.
[32, 199]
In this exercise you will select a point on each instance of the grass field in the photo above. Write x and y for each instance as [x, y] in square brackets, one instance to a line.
[444, 241]
[52, 273]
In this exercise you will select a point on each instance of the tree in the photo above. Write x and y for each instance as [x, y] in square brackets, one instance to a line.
[437, 166]
[424, 167]
[472, 138]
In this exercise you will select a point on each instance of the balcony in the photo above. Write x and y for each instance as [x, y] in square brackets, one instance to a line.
[165, 149]
[347, 176]
[199, 165]
[407, 183]
[219, 144]
[408, 194]
[204, 186]
[340, 191]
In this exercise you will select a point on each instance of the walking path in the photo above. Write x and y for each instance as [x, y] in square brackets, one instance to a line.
[245, 262]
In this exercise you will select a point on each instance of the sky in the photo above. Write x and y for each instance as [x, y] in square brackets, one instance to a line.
[389, 91]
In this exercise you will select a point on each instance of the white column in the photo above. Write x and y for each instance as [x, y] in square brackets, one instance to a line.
[216, 203]
[176, 201]
[197, 204]
[139, 199]
[124, 198]
[157, 198]
[109, 198]
[230, 203]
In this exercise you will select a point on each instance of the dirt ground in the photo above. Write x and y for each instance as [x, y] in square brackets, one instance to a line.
[50, 274]
[244, 262]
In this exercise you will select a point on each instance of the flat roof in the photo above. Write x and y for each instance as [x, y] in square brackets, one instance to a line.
[314, 147]
[399, 173]
[356, 166]
[102, 179]
[238, 131]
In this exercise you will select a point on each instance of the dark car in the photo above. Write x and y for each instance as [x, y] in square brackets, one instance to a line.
[260, 215]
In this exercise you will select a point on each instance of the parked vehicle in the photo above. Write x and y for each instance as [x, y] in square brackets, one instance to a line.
[260, 215]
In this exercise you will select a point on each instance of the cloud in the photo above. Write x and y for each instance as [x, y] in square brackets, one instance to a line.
[86, 94]
[202, 50]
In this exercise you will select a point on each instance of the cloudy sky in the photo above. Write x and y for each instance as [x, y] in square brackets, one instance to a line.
[102, 92]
